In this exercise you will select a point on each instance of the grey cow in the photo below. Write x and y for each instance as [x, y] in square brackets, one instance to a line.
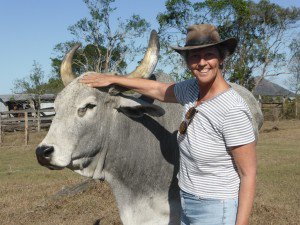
[127, 140]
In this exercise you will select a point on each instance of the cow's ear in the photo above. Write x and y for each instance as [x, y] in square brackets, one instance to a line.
[136, 108]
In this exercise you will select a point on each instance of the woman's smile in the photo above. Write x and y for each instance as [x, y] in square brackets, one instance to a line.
[204, 71]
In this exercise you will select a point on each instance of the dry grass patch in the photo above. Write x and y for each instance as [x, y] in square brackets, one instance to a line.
[29, 192]
[277, 200]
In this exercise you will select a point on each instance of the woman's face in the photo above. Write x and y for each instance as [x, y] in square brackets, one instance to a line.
[204, 63]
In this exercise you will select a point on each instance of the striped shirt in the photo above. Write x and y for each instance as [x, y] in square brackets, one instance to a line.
[207, 168]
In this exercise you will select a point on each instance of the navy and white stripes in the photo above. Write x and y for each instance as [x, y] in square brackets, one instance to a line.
[207, 168]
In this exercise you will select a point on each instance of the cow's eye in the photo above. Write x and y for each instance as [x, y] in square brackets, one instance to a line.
[90, 106]
[81, 111]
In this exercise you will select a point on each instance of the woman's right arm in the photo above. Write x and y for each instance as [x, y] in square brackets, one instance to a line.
[154, 89]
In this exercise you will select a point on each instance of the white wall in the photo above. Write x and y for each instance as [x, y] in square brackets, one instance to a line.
[47, 105]
[3, 107]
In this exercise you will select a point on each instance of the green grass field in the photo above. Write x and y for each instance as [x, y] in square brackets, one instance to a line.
[28, 192]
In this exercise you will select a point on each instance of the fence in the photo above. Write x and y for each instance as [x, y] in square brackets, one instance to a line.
[272, 111]
[284, 109]
[25, 120]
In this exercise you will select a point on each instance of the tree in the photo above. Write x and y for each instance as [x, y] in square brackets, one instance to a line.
[31, 84]
[259, 27]
[104, 49]
[36, 83]
[294, 67]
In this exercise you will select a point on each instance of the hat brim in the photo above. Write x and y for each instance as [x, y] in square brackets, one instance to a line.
[230, 44]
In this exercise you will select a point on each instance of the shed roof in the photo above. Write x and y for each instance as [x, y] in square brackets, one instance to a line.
[26, 97]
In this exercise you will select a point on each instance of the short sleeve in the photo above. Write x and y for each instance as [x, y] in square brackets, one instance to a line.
[186, 91]
[237, 127]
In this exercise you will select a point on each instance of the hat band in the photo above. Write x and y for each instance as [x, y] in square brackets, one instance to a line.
[197, 43]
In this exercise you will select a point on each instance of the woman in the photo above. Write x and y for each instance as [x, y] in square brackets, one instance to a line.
[216, 139]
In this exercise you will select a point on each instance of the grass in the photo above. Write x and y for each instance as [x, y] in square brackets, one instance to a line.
[28, 192]
[278, 183]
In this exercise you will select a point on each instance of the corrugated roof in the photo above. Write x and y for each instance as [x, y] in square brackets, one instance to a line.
[25, 97]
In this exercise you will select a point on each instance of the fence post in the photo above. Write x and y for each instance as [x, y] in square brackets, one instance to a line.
[26, 127]
[0, 129]
[38, 120]
[39, 116]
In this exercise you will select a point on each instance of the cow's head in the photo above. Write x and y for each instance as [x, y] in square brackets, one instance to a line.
[85, 118]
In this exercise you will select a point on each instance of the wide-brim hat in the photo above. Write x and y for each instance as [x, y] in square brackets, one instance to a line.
[205, 35]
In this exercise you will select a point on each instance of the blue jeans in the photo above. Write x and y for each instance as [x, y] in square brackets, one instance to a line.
[198, 211]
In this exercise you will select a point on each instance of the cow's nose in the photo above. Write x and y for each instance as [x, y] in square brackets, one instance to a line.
[44, 151]
[43, 154]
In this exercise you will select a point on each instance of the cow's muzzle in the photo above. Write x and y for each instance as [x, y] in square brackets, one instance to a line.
[43, 155]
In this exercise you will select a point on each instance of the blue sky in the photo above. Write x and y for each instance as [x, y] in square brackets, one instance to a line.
[31, 28]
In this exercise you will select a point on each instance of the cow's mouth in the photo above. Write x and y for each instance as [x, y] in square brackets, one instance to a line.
[45, 162]
[51, 167]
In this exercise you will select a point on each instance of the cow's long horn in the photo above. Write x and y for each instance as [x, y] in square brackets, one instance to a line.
[66, 66]
[147, 66]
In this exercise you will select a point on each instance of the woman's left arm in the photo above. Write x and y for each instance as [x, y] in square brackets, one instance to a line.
[245, 160]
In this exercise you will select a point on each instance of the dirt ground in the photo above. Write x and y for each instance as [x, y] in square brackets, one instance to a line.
[31, 194]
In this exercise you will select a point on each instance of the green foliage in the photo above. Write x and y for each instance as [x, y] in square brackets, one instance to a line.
[53, 85]
[259, 27]
[177, 15]
[137, 25]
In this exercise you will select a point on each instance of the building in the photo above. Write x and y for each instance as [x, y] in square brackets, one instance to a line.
[25, 101]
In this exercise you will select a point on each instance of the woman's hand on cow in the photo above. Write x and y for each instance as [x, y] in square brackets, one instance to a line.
[93, 79]
[153, 89]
